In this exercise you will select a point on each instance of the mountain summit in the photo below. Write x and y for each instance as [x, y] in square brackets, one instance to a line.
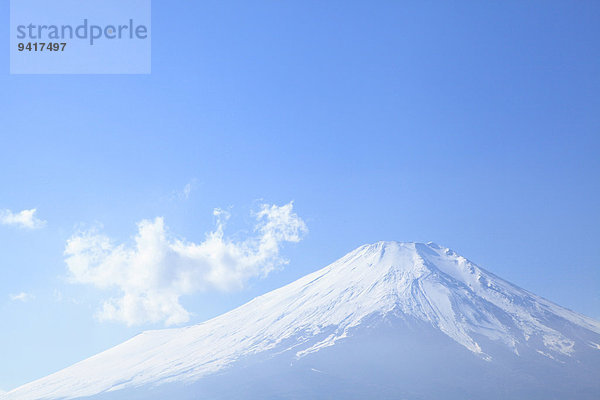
[388, 320]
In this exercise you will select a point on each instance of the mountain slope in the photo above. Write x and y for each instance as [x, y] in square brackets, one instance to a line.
[382, 317]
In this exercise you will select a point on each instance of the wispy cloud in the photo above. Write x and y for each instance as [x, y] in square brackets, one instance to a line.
[60, 298]
[158, 269]
[23, 219]
[185, 193]
[23, 297]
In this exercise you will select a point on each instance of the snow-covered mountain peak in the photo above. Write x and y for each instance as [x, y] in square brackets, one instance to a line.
[430, 283]
[409, 260]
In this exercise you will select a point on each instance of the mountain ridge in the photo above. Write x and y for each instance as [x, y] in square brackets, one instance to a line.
[411, 284]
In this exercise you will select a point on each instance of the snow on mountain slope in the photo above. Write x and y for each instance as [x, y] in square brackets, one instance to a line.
[410, 281]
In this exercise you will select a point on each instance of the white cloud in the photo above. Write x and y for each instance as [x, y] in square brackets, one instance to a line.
[24, 297]
[23, 219]
[158, 269]
[187, 189]
[60, 298]
[185, 192]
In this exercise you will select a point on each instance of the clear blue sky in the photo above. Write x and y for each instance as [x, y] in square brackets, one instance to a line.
[475, 125]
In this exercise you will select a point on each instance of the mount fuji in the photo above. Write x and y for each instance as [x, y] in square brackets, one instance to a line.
[387, 321]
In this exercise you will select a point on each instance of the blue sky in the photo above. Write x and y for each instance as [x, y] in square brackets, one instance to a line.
[472, 125]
